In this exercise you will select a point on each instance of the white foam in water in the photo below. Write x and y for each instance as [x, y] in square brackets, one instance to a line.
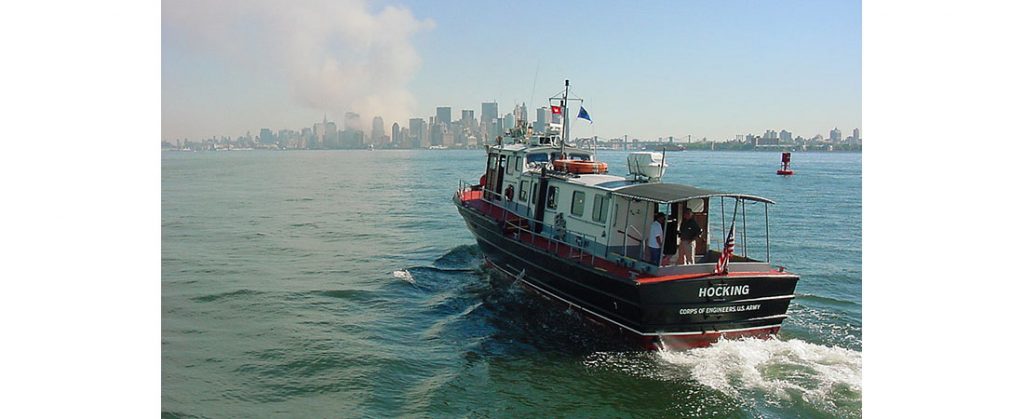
[404, 275]
[823, 376]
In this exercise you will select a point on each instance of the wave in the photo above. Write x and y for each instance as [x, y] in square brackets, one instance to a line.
[828, 300]
[226, 295]
[404, 275]
[786, 372]
[463, 256]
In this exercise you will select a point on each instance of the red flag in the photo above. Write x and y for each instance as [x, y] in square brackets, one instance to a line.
[556, 110]
[723, 260]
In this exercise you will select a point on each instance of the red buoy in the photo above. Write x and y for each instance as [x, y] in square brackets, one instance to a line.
[785, 171]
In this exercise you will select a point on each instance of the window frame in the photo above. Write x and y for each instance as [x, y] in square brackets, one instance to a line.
[552, 203]
[600, 209]
[582, 201]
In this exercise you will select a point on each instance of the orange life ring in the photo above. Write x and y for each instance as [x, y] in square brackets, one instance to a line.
[581, 166]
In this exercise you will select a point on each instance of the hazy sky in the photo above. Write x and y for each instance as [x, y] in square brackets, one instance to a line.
[649, 70]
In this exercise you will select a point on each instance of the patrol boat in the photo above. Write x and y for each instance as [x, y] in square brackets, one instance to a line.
[547, 213]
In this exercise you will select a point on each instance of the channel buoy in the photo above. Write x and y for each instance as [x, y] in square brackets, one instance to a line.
[784, 170]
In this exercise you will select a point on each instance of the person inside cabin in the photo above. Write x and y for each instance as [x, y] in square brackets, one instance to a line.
[656, 238]
[689, 232]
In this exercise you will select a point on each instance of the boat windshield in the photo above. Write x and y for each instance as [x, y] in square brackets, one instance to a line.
[536, 158]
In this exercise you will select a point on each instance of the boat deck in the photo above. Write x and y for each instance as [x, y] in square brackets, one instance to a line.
[518, 228]
[474, 199]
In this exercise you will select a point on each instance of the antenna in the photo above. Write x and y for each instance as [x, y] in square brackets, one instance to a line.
[565, 119]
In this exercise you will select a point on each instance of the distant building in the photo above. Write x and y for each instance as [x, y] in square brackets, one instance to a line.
[352, 122]
[396, 135]
[543, 118]
[444, 115]
[835, 135]
[326, 134]
[267, 136]
[351, 138]
[404, 135]
[856, 135]
[785, 136]
[377, 131]
[418, 136]
[508, 122]
[489, 119]
[488, 111]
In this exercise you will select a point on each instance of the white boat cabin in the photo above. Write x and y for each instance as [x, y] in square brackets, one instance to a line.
[563, 194]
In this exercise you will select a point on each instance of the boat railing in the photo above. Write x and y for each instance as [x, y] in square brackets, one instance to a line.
[556, 238]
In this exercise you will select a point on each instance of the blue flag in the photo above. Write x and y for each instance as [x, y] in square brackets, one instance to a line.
[583, 114]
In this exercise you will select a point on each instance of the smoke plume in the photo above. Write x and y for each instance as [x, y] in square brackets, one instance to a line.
[335, 55]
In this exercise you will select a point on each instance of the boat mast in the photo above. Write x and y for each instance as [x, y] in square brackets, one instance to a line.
[565, 119]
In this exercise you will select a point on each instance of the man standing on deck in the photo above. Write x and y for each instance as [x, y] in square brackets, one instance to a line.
[689, 232]
[656, 238]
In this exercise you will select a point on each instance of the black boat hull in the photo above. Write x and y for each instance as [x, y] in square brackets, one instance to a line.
[679, 313]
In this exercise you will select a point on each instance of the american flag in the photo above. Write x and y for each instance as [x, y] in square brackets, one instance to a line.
[723, 260]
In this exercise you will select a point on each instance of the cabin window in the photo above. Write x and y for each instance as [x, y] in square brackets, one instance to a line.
[534, 193]
[522, 190]
[552, 197]
[579, 200]
[536, 158]
[577, 156]
[508, 164]
[600, 208]
[519, 164]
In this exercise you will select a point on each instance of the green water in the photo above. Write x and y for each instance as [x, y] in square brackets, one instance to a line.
[344, 284]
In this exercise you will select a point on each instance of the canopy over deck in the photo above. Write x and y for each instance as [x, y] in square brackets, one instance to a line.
[669, 193]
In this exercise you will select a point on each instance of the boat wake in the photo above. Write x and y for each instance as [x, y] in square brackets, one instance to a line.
[784, 370]
[404, 275]
[784, 373]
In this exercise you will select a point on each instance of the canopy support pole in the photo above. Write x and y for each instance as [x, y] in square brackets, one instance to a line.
[767, 245]
[744, 229]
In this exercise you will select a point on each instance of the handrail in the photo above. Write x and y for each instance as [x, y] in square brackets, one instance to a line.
[549, 237]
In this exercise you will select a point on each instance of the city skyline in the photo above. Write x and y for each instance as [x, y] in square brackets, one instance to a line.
[467, 132]
[705, 70]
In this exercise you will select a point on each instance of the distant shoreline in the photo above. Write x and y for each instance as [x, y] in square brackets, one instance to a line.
[777, 150]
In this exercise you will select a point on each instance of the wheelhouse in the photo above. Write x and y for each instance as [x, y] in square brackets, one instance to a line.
[609, 217]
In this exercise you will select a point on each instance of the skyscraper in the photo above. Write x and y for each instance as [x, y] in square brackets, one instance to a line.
[468, 120]
[351, 121]
[508, 122]
[377, 131]
[489, 120]
[835, 135]
[418, 132]
[444, 115]
[352, 137]
[543, 117]
[396, 134]
[488, 112]
[266, 136]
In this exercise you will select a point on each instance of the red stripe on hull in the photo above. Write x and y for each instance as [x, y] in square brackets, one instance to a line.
[681, 342]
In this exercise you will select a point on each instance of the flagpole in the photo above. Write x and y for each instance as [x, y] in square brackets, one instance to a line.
[565, 119]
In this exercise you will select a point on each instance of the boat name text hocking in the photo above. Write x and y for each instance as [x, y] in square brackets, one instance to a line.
[724, 291]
